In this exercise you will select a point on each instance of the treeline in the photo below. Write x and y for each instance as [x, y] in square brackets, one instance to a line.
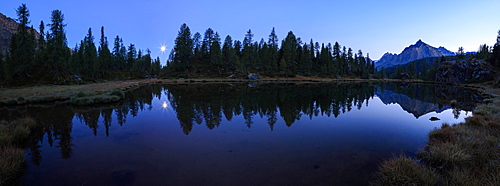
[194, 56]
[46, 57]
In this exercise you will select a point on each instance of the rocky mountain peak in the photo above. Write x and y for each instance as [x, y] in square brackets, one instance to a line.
[420, 43]
[413, 52]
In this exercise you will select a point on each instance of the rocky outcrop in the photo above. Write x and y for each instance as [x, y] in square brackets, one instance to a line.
[414, 52]
[464, 71]
[8, 26]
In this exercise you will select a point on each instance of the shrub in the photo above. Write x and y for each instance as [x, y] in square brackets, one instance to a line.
[118, 93]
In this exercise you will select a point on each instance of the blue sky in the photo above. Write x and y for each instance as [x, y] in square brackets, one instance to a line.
[375, 27]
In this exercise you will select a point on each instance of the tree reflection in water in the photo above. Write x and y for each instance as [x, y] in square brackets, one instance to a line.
[212, 103]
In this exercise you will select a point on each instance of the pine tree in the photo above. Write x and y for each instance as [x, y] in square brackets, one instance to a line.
[495, 56]
[146, 62]
[272, 44]
[183, 49]
[337, 59]
[131, 56]
[197, 43]
[156, 67]
[41, 52]
[90, 64]
[58, 53]
[247, 53]
[75, 60]
[22, 46]
[228, 54]
[289, 46]
[216, 55]
[104, 55]
[460, 53]
[207, 44]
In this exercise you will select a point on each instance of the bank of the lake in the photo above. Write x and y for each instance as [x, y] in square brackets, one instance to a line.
[466, 153]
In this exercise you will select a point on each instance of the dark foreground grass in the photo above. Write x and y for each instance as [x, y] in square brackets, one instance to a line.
[12, 135]
[463, 154]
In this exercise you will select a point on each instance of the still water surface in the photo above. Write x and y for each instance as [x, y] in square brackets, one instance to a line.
[237, 134]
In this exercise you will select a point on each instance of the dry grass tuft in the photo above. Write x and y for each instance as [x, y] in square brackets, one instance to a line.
[11, 163]
[12, 134]
[404, 170]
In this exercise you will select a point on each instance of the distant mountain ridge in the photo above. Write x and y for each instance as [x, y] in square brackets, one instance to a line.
[8, 27]
[413, 52]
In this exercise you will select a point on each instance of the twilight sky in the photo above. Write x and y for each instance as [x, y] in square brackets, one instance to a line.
[375, 27]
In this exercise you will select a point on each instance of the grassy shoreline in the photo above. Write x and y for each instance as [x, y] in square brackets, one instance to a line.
[466, 153]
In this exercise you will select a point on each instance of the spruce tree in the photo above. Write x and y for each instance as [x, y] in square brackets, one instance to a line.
[197, 43]
[215, 55]
[119, 54]
[104, 55]
[228, 54]
[90, 64]
[460, 53]
[289, 47]
[495, 56]
[247, 53]
[58, 53]
[41, 53]
[156, 67]
[183, 49]
[272, 44]
[22, 46]
[131, 56]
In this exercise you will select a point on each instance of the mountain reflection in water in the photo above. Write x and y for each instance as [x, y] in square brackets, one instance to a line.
[214, 104]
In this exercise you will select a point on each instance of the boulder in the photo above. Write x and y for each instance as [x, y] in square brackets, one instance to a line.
[253, 76]
[464, 71]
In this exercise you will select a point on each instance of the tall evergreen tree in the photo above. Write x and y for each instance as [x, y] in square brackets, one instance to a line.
[118, 54]
[197, 43]
[90, 64]
[57, 47]
[156, 67]
[146, 61]
[272, 44]
[247, 53]
[289, 46]
[460, 53]
[22, 46]
[216, 55]
[41, 52]
[131, 56]
[105, 58]
[183, 49]
[495, 56]
[207, 44]
[228, 54]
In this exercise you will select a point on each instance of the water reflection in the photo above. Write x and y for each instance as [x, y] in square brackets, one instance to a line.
[210, 104]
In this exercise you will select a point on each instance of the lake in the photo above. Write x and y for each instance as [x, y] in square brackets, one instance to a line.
[237, 134]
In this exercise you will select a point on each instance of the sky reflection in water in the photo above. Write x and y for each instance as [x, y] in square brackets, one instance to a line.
[152, 148]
